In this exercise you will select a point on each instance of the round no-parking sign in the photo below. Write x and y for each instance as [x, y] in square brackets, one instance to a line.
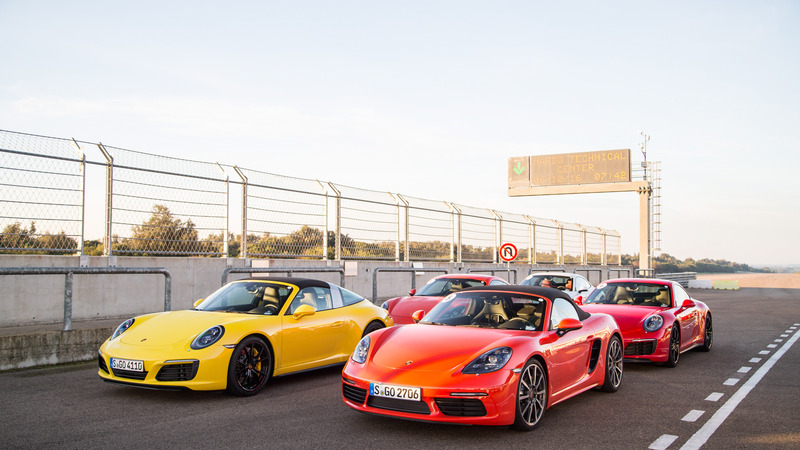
[508, 252]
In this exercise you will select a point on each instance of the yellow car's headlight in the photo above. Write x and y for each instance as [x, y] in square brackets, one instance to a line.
[122, 327]
[208, 337]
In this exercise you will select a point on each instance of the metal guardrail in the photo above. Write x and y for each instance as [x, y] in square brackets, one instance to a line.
[413, 271]
[546, 269]
[618, 271]
[492, 270]
[70, 271]
[287, 270]
[681, 277]
[588, 271]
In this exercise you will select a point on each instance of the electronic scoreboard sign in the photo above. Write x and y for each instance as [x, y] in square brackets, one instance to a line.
[607, 166]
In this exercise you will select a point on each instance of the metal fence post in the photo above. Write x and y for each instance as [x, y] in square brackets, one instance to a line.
[498, 234]
[225, 237]
[560, 255]
[243, 249]
[531, 240]
[397, 226]
[584, 257]
[68, 302]
[325, 223]
[455, 241]
[107, 250]
[82, 157]
[338, 213]
[406, 235]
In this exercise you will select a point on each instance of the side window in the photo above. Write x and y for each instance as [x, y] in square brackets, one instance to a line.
[496, 282]
[680, 294]
[316, 297]
[349, 298]
[562, 309]
[582, 284]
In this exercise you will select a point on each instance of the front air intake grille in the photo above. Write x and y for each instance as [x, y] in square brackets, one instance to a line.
[183, 371]
[354, 394]
[638, 348]
[102, 363]
[465, 407]
[393, 404]
[129, 374]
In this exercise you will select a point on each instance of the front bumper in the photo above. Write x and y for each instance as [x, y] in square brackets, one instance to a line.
[203, 370]
[486, 399]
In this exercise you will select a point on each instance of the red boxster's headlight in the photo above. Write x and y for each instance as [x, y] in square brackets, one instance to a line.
[360, 353]
[490, 361]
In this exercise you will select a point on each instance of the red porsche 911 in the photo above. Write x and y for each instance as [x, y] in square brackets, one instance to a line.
[491, 355]
[401, 308]
[658, 318]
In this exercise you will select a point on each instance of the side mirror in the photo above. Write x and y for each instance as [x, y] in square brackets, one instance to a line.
[417, 315]
[302, 311]
[412, 292]
[579, 299]
[567, 325]
[688, 303]
[199, 300]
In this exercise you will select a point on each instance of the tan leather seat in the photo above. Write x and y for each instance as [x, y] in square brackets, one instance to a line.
[663, 297]
[622, 296]
[270, 297]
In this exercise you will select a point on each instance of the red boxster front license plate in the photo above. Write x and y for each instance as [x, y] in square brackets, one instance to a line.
[127, 364]
[399, 392]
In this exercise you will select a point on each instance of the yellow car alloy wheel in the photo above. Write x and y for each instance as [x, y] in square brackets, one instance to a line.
[250, 367]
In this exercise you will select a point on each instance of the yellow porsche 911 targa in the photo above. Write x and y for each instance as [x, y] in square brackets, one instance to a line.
[241, 335]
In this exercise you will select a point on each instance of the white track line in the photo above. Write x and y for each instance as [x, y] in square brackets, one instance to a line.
[703, 434]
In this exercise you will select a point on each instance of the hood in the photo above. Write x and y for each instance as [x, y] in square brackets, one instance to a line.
[409, 346]
[627, 317]
[175, 327]
[405, 306]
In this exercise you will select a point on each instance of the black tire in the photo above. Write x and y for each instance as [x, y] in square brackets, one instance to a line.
[708, 335]
[372, 326]
[674, 346]
[614, 361]
[250, 367]
[531, 396]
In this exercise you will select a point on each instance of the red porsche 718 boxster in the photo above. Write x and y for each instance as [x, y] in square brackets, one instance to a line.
[401, 308]
[491, 355]
[658, 318]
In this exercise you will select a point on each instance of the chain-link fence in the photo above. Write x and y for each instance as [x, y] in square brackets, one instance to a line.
[42, 182]
[165, 206]
[156, 205]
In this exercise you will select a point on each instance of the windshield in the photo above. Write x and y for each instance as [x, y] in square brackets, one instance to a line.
[562, 282]
[254, 297]
[487, 309]
[439, 287]
[631, 293]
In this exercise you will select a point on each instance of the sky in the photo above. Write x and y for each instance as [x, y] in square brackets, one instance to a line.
[430, 98]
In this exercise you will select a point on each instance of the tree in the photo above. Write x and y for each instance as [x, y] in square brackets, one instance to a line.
[162, 233]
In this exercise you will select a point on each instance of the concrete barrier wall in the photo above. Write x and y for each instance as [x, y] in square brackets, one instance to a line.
[39, 299]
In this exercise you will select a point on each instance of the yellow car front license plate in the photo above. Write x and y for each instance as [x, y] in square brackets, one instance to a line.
[127, 364]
